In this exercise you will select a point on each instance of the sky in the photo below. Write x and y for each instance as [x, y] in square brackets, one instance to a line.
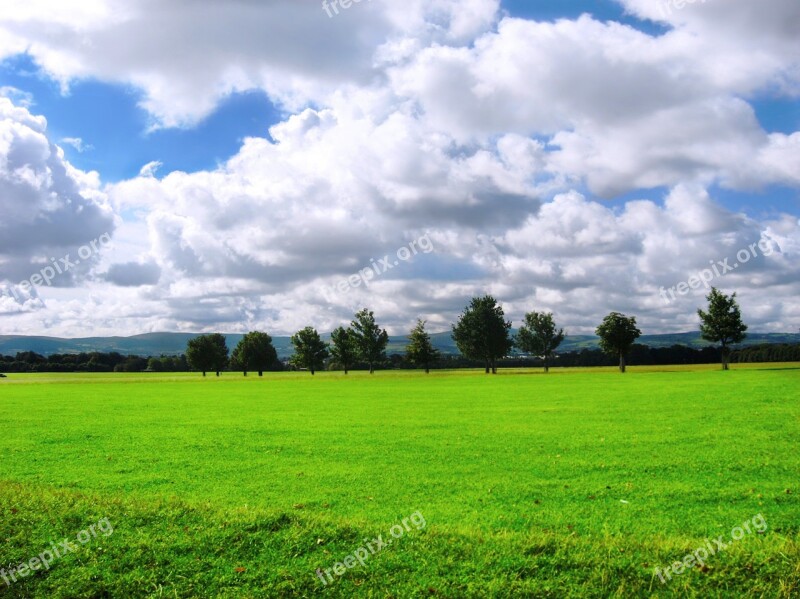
[272, 164]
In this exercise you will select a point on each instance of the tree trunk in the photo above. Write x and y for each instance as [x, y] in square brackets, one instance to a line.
[371, 369]
[427, 370]
[487, 366]
[546, 365]
[312, 372]
[245, 373]
[260, 373]
[725, 358]
[217, 372]
[204, 373]
[494, 366]
[345, 369]
[622, 362]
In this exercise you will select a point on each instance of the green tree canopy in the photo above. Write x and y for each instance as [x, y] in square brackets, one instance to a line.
[207, 353]
[482, 333]
[370, 340]
[343, 348]
[617, 334]
[310, 350]
[722, 323]
[420, 350]
[538, 336]
[254, 352]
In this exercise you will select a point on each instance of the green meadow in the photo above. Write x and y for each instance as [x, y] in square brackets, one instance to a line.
[578, 483]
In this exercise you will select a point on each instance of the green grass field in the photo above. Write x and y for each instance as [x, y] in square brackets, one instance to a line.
[574, 484]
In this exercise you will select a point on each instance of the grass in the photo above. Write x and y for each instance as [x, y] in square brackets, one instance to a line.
[574, 484]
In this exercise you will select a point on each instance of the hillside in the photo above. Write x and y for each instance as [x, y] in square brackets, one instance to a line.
[155, 344]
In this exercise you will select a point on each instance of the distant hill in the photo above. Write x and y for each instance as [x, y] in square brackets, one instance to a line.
[156, 344]
[444, 342]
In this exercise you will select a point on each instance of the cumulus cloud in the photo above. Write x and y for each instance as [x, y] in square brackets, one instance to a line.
[134, 274]
[620, 109]
[290, 49]
[150, 169]
[77, 143]
[760, 38]
[497, 137]
[265, 237]
[49, 208]
[17, 96]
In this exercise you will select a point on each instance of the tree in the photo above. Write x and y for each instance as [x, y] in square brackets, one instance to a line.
[254, 352]
[538, 336]
[343, 348]
[207, 353]
[310, 350]
[722, 323]
[131, 364]
[617, 334]
[482, 333]
[370, 340]
[420, 351]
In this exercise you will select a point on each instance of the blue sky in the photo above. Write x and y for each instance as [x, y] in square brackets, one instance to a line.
[117, 131]
[604, 10]
[614, 137]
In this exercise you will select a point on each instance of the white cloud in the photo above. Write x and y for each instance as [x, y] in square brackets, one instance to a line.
[149, 170]
[77, 143]
[493, 136]
[134, 274]
[49, 208]
[623, 110]
[256, 240]
[17, 96]
[743, 46]
[187, 56]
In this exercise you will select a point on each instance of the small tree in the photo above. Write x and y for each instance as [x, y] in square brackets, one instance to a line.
[482, 333]
[370, 340]
[722, 323]
[617, 334]
[420, 350]
[207, 353]
[538, 336]
[254, 352]
[310, 350]
[343, 348]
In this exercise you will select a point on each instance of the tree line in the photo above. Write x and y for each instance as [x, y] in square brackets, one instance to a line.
[639, 355]
[482, 335]
[362, 341]
[29, 361]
